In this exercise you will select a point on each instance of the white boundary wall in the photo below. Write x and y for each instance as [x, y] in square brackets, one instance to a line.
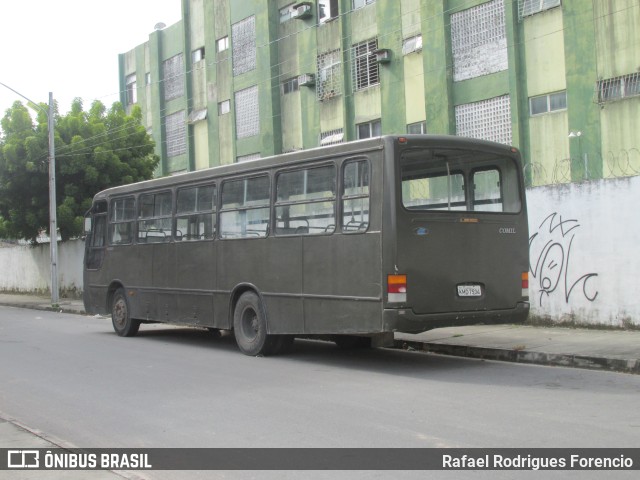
[584, 254]
[28, 269]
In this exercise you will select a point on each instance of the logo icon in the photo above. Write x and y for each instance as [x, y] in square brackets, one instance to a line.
[23, 459]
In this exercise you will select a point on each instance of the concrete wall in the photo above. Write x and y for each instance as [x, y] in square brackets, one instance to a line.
[584, 252]
[28, 269]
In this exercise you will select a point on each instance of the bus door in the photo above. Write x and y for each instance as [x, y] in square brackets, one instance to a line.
[462, 230]
[94, 253]
[96, 236]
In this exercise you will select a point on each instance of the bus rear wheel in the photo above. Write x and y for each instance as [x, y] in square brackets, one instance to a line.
[250, 327]
[121, 319]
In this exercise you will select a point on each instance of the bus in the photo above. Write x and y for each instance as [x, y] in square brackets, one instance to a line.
[350, 242]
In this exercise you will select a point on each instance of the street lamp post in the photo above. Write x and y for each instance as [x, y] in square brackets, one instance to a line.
[53, 222]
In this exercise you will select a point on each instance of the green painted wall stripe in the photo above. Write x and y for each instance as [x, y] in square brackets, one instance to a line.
[582, 74]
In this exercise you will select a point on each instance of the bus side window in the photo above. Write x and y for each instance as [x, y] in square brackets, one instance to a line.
[196, 213]
[355, 197]
[244, 211]
[121, 220]
[154, 218]
[305, 203]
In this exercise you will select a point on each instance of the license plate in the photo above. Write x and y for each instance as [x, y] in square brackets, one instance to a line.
[469, 291]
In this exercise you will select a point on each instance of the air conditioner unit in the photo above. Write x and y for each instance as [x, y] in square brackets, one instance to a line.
[306, 80]
[383, 55]
[301, 11]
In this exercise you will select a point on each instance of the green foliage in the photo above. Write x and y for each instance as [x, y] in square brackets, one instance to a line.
[94, 150]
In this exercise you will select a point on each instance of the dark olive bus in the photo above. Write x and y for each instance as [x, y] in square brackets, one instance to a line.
[351, 242]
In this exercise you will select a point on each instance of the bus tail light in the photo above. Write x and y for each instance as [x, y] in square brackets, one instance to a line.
[397, 288]
[525, 284]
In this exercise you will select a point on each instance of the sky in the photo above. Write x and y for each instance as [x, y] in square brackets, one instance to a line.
[71, 47]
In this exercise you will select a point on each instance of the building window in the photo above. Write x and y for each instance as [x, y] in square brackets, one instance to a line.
[369, 129]
[329, 79]
[618, 87]
[132, 89]
[362, 3]
[479, 41]
[530, 7]
[247, 112]
[197, 55]
[486, 120]
[417, 128]
[548, 103]
[332, 137]
[327, 10]
[176, 134]
[243, 45]
[224, 107]
[173, 77]
[222, 44]
[412, 44]
[248, 158]
[364, 68]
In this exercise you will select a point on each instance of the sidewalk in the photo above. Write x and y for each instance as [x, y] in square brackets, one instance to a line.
[16, 436]
[613, 350]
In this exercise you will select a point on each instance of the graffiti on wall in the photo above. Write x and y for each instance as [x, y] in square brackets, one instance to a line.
[551, 265]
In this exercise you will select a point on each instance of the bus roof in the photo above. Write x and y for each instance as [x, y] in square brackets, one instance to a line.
[292, 158]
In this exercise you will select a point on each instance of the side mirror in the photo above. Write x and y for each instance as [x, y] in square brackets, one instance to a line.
[87, 225]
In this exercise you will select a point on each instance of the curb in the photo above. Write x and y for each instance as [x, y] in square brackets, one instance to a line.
[524, 356]
[46, 308]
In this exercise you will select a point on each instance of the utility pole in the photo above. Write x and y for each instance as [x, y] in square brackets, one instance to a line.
[53, 222]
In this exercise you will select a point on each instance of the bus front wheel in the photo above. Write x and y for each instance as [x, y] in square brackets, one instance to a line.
[250, 327]
[123, 324]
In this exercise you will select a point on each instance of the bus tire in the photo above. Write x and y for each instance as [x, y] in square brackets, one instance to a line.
[250, 327]
[121, 319]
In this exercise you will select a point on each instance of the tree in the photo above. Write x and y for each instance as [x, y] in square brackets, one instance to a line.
[94, 150]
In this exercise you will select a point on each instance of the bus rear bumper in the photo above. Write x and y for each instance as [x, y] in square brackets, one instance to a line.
[407, 321]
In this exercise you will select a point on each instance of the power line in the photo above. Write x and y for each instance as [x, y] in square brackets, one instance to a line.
[311, 65]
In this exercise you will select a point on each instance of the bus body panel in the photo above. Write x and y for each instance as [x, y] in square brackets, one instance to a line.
[194, 277]
[478, 254]
[342, 287]
[270, 266]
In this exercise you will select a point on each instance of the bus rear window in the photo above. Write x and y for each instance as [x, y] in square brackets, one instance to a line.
[459, 180]
[434, 192]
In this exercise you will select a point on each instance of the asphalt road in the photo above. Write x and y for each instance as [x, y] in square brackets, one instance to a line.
[71, 377]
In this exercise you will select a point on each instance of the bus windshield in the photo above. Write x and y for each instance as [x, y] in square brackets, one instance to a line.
[459, 180]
